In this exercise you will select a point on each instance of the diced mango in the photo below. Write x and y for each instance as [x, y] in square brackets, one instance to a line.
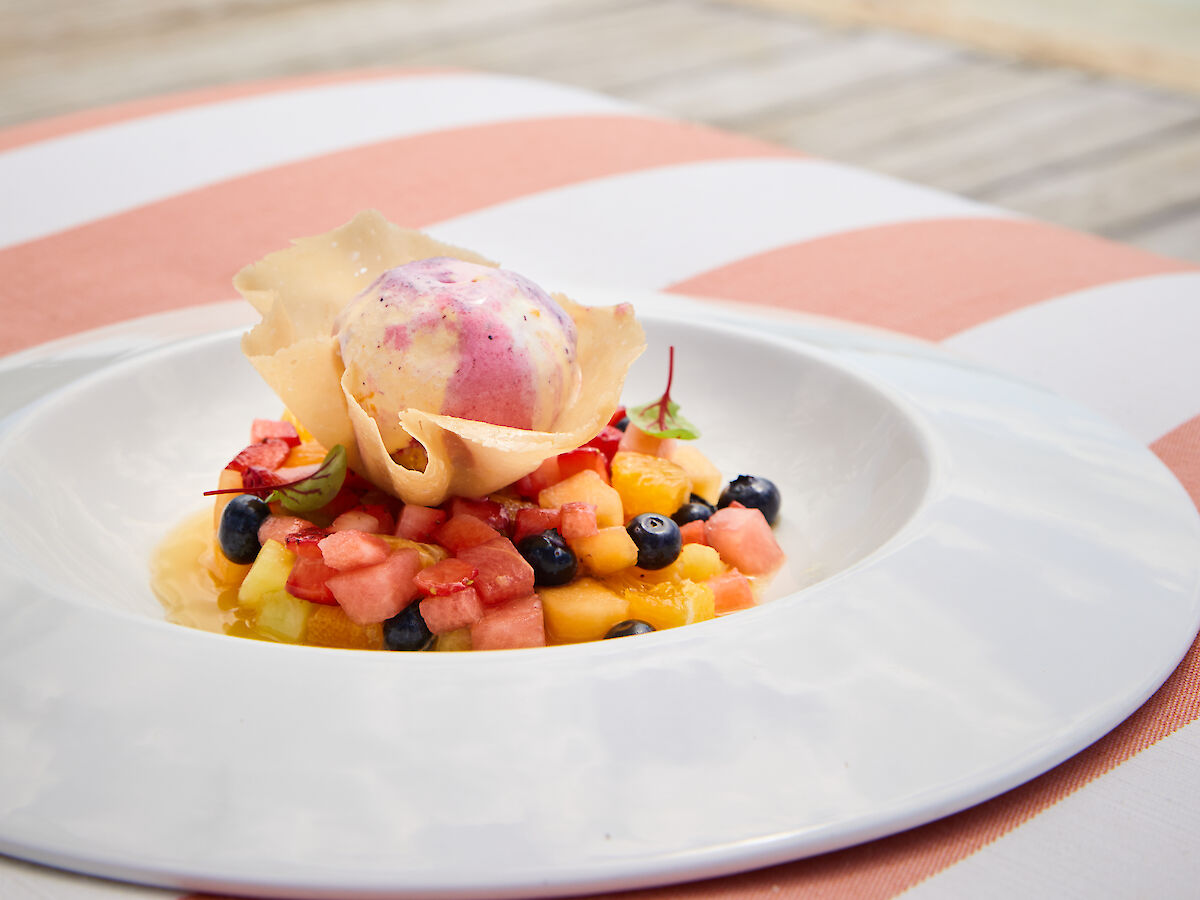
[586, 487]
[581, 611]
[609, 550]
[671, 604]
[328, 626]
[267, 576]
[649, 484]
[705, 477]
[283, 617]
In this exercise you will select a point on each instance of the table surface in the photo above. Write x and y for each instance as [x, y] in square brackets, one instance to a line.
[1109, 326]
[1106, 156]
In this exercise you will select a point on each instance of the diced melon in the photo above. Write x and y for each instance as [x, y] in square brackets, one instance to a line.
[581, 611]
[608, 550]
[649, 484]
[223, 570]
[586, 487]
[637, 441]
[744, 540]
[698, 562]
[230, 480]
[283, 618]
[671, 604]
[267, 576]
[518, 623]
[329, 626]
[378, 592]
[705, 477]
[450, 612]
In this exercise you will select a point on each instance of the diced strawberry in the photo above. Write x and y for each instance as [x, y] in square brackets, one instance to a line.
[256, 479]
[418, 523]
[280, 528]
[539, 479]
[268, 454]
[446, 577]
[607, 441]
[262, 429]
[534, 520]
[693, 532]
[488, 511]
[744, 540]
[617, 417]
[375, 593]
[731, 591]
[350, 549]
[574, 461]
[309, 577]
[449, 612]
[578, 520]
[518, 623]
[461, 531]
[359, 519]
[503, 572]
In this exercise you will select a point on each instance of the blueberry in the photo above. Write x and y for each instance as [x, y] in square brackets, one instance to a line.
[552, 560]
[755, 493]
[622, 423]
[238, 531]
[695, 510]
[629, 627]
[406, 630]
[657, 539]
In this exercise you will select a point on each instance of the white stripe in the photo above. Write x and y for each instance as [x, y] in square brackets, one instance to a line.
[67, 181]
[1130, 833]
[654, 227]
[1129, 350]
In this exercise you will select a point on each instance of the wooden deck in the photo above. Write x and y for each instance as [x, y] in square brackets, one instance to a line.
[1110, 156]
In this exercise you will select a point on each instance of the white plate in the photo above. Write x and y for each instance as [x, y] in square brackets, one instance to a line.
[993, 578]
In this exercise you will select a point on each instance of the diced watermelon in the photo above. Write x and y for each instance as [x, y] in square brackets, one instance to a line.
[418, 523]
[378, 592]
[449, 612]
[359, 519]
[744, 540]
[488, 511]
[262, 429]
[607, 441]
[731, 591]
[693, 532]
[518, 623]
[463, 531]
[268, 454]
[446, 577]
[534, 520]
[578, 520]
[539, 479]
[382, 510]
[574, 461]
[309, 578]
[503, 572]
[617, 417]
[280, 528]
[351, 549]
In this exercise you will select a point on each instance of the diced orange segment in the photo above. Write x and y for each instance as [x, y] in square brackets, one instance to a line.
[609, 550]
[586, 487]
[581, 611]
[305, 453]
[649, 484]
[329, 626]
[671, 604]
[705, 477]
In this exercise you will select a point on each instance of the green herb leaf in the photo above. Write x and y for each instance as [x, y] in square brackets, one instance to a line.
[661, 417]
[663, 422]
[318, 488]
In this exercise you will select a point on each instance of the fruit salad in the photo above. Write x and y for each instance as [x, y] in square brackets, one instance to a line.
[452, 470]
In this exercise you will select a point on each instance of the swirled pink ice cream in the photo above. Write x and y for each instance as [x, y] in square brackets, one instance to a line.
[459, 339]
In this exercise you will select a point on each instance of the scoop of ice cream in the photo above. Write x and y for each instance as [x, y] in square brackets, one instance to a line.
[460, 339]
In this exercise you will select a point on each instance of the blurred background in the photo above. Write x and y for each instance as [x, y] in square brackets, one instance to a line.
[1080, 112]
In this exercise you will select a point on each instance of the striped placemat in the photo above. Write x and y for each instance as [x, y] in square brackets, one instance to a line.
[152, 206]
